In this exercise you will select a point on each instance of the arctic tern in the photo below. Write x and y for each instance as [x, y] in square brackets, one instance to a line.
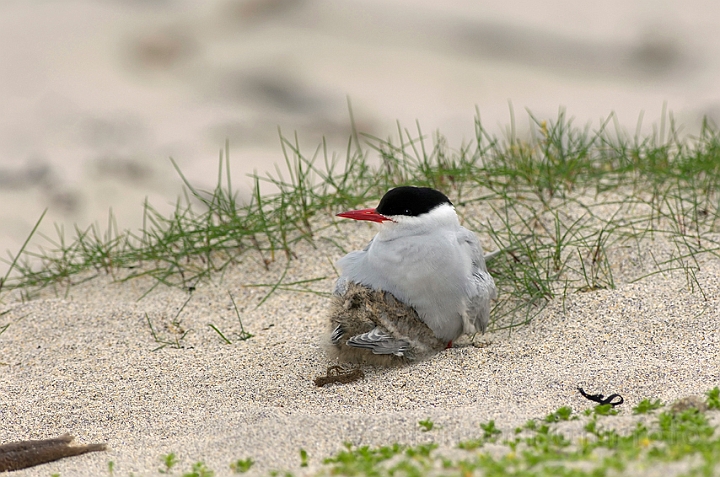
[418, 285]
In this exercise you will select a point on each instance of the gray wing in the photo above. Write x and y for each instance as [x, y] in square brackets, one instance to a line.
[379, 342]
[481, 287]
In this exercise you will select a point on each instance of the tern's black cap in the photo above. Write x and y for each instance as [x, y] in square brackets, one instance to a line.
[411, 201]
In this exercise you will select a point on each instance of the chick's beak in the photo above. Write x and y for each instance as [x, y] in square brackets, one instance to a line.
[364, 214]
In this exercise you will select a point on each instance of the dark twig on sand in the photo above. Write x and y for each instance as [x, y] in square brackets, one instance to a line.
[337, 374]
[600, 399]
[24, 454]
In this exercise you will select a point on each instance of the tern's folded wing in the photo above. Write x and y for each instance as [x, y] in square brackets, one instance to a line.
[480, 289]
[477, 313]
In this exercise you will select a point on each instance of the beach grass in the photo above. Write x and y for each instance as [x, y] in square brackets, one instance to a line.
[667, 182]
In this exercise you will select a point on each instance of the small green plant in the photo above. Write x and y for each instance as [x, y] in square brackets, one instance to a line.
[471, 444]
[199, 469]
[241, 466]
[303, 458]
[562, 414]
[175, 327]
[169, 461]
[220, 333]
[490, 434]
[17, 256]
[489, 430]
[361, 460]
[713, 398]
[605, 410]
[244, 335]
[646, 405]
[426, 425]
[111, 468]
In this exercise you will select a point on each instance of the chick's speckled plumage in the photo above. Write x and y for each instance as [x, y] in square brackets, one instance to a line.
[357, 310]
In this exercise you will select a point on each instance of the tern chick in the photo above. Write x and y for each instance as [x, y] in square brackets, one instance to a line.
[373, 327]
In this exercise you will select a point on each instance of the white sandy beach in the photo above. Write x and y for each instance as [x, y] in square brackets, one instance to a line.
[100, 94]
[83, 363]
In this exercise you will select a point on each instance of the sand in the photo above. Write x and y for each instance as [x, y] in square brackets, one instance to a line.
[83, 362]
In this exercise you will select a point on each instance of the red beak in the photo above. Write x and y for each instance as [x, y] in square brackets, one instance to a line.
[364, 214]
